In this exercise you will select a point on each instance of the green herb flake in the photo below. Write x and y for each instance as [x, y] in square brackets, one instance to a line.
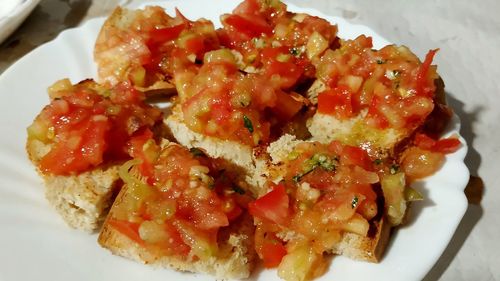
[380, 61]
[248, 123]
[377, 161]
[317, 160]
[296, 178]
[238, 189]
[196, 152]
[354, 202]
[394, 169]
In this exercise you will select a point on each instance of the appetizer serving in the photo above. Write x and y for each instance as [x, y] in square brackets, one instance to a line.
[283, 143]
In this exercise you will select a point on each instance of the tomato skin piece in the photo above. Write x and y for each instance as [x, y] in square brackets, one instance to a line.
[253, 27]
[272, 253]
[273, 206]
[423, 71]
[447, 146]
[129, 229]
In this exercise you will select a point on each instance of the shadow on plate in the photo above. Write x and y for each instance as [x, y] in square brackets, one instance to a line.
[474, 190]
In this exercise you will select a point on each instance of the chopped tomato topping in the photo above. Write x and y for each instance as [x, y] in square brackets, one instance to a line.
[273, 206]
[143, 147]
[129, 229]
[161, 35]
[272, 253]
[279, 62]
[352, 155]
[86, 129]
[336, 101]
[252, 27]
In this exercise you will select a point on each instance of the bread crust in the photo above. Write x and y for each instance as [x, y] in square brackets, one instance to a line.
[354, 246]
[82, 200]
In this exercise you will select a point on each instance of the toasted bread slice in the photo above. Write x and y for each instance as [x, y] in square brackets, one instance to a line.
[243, 159]
[82, 200]
[354, 131]
[326, 128]
[234, 261]
[351, 245]
[119, 49]
[234, 258]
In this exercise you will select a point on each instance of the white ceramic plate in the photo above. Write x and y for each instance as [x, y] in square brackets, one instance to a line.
[36, 244]
[13, 13]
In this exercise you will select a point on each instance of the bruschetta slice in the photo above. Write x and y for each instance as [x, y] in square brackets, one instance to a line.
[228, 113]
[179, 210]
[322, 199]
[135, 46]
[78, 141]
[371, 98]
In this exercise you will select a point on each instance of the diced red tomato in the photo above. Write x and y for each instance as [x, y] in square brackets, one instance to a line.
[129, 229]
[352, 155]
[162, 35]
[376, 118]
[175, 242]
[289, 72]
[195, 45]
[94, 141]
[204, 214]
[273, 206]
[138, 150]
[78, 150]
[272, 253]
[252, 27]
[336, 102]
